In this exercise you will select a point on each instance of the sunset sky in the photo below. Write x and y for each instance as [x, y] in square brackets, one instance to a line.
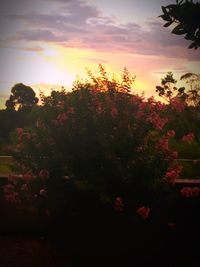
[47, 43]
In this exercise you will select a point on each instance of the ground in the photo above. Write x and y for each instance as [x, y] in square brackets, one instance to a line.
[18, 251]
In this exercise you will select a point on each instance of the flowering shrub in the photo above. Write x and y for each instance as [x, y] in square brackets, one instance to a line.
[101, 136]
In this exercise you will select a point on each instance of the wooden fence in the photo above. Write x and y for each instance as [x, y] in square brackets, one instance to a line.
[184, 181]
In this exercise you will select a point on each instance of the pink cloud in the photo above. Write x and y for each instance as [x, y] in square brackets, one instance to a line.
[80, 25]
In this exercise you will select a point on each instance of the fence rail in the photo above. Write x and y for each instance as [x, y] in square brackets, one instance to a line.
[185, 181]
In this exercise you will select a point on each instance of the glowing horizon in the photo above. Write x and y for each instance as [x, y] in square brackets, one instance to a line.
[48, 43]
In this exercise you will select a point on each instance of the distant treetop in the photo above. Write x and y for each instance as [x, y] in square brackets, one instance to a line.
[22, 96]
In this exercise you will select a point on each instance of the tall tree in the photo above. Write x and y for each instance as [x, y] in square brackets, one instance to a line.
[185, 15]
[22, 96]
[190, 94]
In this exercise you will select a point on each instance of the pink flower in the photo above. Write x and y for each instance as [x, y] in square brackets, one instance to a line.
[20, 132]
[188, 138]
[70, 110]
[139, 115]
[61, 118]
[170, 176]
[114, 112]
[8, 188]
[190, 192]
[119, 206]
[13, 198]
[170, 133]
[164, 144]
[173, 173]
[28, 175]
[157, 121]
[177, 104]
[174, 155]
[144, 212]
[19, 147]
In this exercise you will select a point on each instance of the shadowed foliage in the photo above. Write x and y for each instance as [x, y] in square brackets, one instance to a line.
[186, 16]
[22, 96]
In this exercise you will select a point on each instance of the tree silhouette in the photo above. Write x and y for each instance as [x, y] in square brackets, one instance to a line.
[189, 95]
[186, 16]
[22, 96]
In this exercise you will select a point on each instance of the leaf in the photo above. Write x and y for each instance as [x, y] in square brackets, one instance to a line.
[187, 75]
[168, 24]
[179, 30]
[181, 90]
[192, 45]
[171, 6]
[164, 9]
[189, 36]
[179, 2]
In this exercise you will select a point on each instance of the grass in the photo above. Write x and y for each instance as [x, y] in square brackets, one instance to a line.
[5, 165]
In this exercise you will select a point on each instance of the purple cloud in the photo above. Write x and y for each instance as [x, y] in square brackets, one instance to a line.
[39, 35]
[28, 48]
[77, 24]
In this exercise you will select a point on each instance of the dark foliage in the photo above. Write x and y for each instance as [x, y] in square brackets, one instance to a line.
[186, 16]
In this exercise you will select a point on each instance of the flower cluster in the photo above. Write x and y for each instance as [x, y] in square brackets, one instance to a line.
[20, 133]
[144, 212]
[114, 112]
[28, 175]
[11, 195]
[188, 192]
[163, 143]
[177, 104]
[173, 173]
[157, 120]
[150, 112]
[188, 138]
[119, 205]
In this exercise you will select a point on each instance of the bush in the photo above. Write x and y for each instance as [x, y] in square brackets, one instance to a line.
[98, 148]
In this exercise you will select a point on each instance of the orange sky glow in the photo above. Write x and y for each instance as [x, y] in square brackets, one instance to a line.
[48, 43]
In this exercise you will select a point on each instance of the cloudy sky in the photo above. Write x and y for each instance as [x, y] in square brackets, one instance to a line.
[47, 43]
